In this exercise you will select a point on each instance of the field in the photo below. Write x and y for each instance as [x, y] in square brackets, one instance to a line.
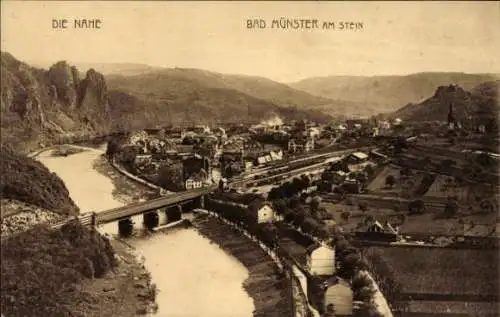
[378, 183]
[405, 186]
[432, 308]
[427, 224]
[469, 196]
[445, 186]
[444, 271]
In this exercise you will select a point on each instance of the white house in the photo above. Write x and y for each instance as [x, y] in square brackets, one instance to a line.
[321, 259]
[301, 145]
[138, 136]
[339, 294]
[261, 160]
[142, 159]
[248, 166]
[358, 157]
[276, 155]
[262, 211]
[193, 182]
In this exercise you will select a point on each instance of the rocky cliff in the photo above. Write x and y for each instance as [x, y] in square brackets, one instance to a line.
[482, 99]
[38, 104]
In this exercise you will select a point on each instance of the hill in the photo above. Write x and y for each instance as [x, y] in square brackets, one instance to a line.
[29, 181]
[126, 69]
[379, 94]
[482, 99]
[38, 105]
[201, 96]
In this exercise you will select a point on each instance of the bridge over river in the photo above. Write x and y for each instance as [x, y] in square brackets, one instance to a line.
[173, 204]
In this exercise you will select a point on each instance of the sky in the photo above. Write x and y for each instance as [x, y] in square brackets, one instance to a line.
[396, 37]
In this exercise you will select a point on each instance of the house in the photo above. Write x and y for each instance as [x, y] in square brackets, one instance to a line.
[261, 160]
[300, 145]
[261, 210]
[193, 182]
[375, 231]
[321, 259]
[339, 294]
[352, 186]
[355, 123]
[276, 156]
[248, 166]
[143, 159]
[138, 136]
[185, 149]
[357, 158]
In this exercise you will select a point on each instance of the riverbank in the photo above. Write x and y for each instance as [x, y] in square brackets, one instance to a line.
[127, 291]
[125, 190]
[269, 289]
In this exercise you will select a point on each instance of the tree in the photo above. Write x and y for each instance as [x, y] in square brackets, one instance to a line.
[275, 193]
[351, 263]
[171, 177]
[334, 231]
[322, 233]
[365, 294]
[315, 204]
[405, 171]
[451, 208]
[112, 148]
[299, 218]
[402, 219]
[416, 207]
[363, 207]
[305, 180]
[484, 160]
[341, 244]
[447, 163]
[366, 310]
[369, 170]
[290, 217]
[361, 280]
[459, 180]
[280, 206]
[390, 180]
[309, 225]
[294, 201]
[345, 215]
[297, 185]
[369, 219]
[330, 311]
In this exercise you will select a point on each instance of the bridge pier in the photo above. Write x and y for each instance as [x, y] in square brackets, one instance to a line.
[174, 213]
[125, 227]
[151, 220]
[202, 202]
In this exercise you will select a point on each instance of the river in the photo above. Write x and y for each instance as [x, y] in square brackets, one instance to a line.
[197, 279]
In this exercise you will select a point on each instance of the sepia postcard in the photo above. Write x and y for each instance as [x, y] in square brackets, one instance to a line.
[250, 159]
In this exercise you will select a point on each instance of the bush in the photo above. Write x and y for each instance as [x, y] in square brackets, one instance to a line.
[309, 225]
[40, 269]
[390, 180]
[346, 215]
[361, 280]
[29, 181]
